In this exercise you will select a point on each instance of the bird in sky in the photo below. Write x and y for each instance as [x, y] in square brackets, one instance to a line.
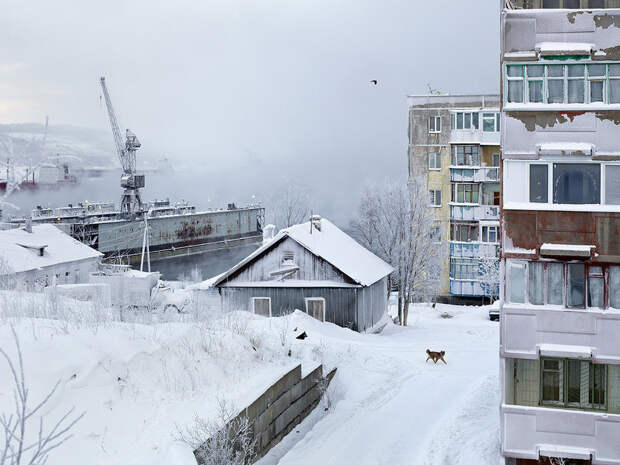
[373, 81]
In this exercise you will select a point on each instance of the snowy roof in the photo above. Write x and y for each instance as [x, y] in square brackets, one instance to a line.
[561, 350]
[566, 250]
[566, 148]
[564, 48]
[332, 245]
[290, 283]
[21, 249]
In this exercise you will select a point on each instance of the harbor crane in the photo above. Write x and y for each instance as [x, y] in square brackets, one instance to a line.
[131, 203]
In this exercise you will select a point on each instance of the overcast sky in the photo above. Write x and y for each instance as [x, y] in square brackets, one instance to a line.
[277, 88]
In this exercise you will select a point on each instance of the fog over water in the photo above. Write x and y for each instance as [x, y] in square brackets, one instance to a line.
[246, 95]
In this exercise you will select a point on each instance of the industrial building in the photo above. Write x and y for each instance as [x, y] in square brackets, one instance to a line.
[314, 267]
[454, 145]
[37, 256]
[560, 306]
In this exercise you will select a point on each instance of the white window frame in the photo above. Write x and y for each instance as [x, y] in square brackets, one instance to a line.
[434, 157]
[436, 127]
[307, 299]
[253, 299]
[433, 198]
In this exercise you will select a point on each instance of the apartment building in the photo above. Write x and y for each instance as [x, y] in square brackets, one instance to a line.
[454, 147]
[560, 312]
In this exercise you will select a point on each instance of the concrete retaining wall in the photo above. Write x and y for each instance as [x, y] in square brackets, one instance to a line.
[283, 406]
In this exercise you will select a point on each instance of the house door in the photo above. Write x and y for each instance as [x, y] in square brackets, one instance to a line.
[316, 308]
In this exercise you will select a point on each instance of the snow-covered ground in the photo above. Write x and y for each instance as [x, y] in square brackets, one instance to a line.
[136, 382]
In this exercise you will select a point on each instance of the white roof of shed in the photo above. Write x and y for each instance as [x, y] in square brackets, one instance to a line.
[20, 249]
[564, 48]
[334, 246]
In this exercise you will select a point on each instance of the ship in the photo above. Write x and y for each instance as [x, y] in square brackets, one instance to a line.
[172, 229]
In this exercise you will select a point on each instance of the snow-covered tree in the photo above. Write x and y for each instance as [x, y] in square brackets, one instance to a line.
[396, 222]
[290, 206]
[489, 277]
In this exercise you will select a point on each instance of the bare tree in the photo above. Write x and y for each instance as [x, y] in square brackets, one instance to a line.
[396, 223]
[557, 461]
[291, 206]
[16, 448]
[228, 440]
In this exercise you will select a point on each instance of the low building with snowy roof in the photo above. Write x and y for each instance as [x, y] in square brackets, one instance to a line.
[37, 256]
[314, 267]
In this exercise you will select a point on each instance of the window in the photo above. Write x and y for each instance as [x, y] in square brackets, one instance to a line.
[596, 286]
[495, 158]
[315, 307]
[576, 183]
[515, 83]
[464, 268]
[539, 183]
[517, 282]
[434, 124]
[435, 197]
[261, 306]
[474, 120]
[488, 122]
[551, 4]
[434, 160]
[466, 155]
[614, 287]
[490, 234]
[574, 383]
[464, 232]
[612, 184]
[464, 120]
[436, 233]
[555, 283]
[535, 82]
[536, 282]
[288, 256]
[576, 285]
[552, 381]
[465, 193]
[563, 83]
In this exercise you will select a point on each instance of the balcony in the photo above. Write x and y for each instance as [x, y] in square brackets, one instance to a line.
[529, 432]
[474, 174]
[528, 331]
[474, 136]
[474, 212]
[473, 249]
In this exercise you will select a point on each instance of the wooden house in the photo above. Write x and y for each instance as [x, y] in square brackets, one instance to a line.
[313, 267]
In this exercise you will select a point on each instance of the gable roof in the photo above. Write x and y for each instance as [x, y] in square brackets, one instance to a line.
[331, 244]
[20, 250]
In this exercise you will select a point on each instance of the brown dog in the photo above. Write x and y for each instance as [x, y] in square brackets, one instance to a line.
[435, 356]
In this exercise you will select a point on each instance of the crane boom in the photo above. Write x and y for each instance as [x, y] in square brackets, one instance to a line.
[130, 201]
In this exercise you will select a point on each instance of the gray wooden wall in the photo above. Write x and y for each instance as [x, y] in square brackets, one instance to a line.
[371, 304]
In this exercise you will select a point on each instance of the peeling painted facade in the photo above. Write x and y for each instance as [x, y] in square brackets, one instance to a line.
[454, 146]
[560, 234]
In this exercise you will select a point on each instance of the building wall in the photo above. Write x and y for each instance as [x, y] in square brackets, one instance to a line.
[371, 304]
[423, 142]
[542, 319]
[64, 273]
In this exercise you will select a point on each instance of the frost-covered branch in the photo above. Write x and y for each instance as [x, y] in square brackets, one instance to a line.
[17, 449]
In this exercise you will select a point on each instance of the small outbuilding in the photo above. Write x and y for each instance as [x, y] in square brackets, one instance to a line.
[36, 256]
[314, 267]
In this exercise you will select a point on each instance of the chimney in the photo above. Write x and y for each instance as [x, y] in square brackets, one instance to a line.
[315, 221]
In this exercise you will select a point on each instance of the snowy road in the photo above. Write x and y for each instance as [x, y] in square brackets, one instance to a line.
[392, 407]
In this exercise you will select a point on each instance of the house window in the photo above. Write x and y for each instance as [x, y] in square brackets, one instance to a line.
[434, 160]
[614, 287]
[488, 122]
[515, 83]
[315, 307]
[495, 157]
[516, 283]
[490, 234]
[464, 268]
[576, 83]
[434, 124]
[536, 282]
[596, 286]
[574, 383]
[464, 232]
[288, 256]
[435, 197]
[436, 234]
[596, 83]
[612, 184]
[614, 83]
[465, 193]
[261, 306]
[576, 183]
[539, 183]
[555, 83]
[466, 155]
[474, 120]
[535, 75]
[555, 283]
